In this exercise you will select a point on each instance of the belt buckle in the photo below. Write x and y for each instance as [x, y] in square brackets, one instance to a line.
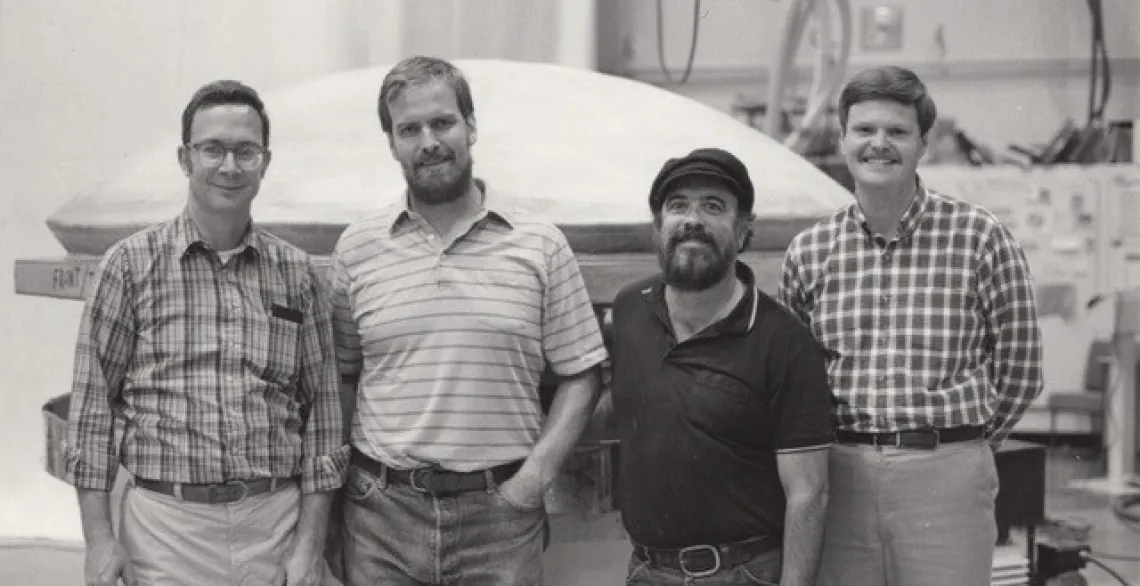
[223, 492]
[877, 442]
[934, 442]
[414, 479]
[930, 441]
[699, 573]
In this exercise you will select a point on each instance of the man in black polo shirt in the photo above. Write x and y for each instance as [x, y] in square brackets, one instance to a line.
[720, 398]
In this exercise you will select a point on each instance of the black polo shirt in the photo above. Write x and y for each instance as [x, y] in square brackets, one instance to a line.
[701, 422]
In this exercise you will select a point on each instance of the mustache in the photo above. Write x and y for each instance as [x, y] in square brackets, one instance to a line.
[691, 234]
[432, 160]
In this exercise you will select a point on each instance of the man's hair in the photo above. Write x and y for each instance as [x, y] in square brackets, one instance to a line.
[224, 92]
[893, 83]
[420, 70]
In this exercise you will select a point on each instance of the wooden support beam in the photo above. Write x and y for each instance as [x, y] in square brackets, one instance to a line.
[605, 274]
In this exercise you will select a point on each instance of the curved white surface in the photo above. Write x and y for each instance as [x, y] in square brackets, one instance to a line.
[578, 147]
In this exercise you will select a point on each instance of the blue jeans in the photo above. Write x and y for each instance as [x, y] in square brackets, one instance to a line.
[763, 569]
[396, 535]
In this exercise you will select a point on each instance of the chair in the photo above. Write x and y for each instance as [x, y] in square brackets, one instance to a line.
[1089, 400]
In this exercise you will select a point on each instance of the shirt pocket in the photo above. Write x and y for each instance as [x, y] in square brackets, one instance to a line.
[721, 405]
[277, 336]
[507, 302]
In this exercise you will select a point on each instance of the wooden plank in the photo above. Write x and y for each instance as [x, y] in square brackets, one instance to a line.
[770, 233]
[65, 278]
[605, 274]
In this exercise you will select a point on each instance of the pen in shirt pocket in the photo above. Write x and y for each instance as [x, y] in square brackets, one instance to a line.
[286, 313]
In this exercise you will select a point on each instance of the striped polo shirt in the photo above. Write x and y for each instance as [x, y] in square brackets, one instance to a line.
[450, 339]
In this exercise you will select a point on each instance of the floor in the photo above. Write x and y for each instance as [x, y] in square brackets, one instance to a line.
[575, 559]
[1108, 537]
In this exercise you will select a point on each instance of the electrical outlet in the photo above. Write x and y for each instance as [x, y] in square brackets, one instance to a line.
[881, 28]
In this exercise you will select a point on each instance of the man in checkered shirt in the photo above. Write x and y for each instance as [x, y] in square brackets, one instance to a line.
[926, 307]
[209, 343]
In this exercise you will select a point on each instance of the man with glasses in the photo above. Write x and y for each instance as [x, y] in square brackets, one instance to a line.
[209, 343]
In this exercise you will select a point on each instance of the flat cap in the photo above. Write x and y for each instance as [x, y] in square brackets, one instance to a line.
[708, 162]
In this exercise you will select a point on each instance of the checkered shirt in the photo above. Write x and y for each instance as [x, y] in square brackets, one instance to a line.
[209, 371]
[935, 328]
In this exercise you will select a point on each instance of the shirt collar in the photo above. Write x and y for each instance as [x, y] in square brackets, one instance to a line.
[405, 218]
[910, 218]
[187, 236]
[740, 320]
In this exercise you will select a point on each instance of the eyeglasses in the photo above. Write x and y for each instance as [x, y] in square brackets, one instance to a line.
[247, 156]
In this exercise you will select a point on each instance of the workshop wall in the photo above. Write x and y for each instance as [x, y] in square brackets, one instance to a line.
[1008, 71]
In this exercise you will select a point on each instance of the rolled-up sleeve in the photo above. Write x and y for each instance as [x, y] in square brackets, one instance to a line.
[102, 357]
[324, 462]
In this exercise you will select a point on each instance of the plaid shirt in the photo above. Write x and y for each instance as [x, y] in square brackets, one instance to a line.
[936, 328]
[214, 372]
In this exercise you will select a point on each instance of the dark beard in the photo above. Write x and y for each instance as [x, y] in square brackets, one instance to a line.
[696, 272]
[441, 194]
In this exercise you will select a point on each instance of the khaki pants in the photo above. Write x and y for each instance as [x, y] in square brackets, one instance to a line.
[176, 543]
[902, 517]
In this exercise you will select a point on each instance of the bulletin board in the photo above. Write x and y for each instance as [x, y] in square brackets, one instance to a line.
[1080, 229]
[1121, 186]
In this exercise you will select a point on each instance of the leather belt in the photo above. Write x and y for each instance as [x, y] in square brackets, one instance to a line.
[437, 481]
[920, 439]
[698, 561]
[229, 492]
